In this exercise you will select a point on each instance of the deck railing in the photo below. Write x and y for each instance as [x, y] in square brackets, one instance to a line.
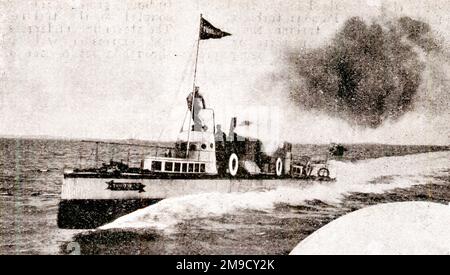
[132, 154]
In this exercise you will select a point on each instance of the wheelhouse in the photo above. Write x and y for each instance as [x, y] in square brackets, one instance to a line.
[176, 166]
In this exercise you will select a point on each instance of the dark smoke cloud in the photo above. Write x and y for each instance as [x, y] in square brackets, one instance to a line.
[368, 72]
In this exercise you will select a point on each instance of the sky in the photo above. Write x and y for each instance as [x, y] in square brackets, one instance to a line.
[122, 69]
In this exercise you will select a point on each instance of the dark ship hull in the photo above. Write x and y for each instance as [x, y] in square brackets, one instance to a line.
[89, 201]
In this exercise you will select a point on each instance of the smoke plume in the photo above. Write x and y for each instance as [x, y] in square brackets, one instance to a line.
[367, 74]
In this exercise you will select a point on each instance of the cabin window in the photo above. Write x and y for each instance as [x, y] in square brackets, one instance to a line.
[193, 147]
[191, 168]
[196, 168]
[156, 166]
[184, 167]
[202, 168]
[204, 146]
[169, 166]
[177, 167]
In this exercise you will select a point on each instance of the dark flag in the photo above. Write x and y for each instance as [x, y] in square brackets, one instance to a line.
[208, 31]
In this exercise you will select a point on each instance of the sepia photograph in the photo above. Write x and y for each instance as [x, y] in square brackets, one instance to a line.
[225, 127]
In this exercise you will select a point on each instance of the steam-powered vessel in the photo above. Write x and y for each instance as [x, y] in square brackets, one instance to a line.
[203, 159]
[94, 196]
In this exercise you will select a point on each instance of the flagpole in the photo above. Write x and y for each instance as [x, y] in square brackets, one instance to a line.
[193, 87]
[196, 56]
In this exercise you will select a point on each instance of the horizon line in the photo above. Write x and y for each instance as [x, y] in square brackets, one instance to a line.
[50, 137]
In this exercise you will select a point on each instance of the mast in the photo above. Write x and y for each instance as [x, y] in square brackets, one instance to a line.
[193, 87]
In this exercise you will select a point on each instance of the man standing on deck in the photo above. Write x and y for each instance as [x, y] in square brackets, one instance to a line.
[220, 139]
[199, 104]
[220, 135]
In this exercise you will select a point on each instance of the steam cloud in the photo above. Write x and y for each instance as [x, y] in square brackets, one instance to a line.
[367, 74]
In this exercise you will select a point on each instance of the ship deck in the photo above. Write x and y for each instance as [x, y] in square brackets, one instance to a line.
[147, 175]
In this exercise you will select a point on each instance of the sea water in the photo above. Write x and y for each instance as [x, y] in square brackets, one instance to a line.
[31, 173]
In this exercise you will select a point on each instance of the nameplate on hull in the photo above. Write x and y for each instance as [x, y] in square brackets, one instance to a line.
[125, 186]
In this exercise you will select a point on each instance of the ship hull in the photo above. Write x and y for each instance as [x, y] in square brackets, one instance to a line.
[89, 202]
[87, 214]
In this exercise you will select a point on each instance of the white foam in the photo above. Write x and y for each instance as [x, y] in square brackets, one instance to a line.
[393, 228]
[405, 171]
